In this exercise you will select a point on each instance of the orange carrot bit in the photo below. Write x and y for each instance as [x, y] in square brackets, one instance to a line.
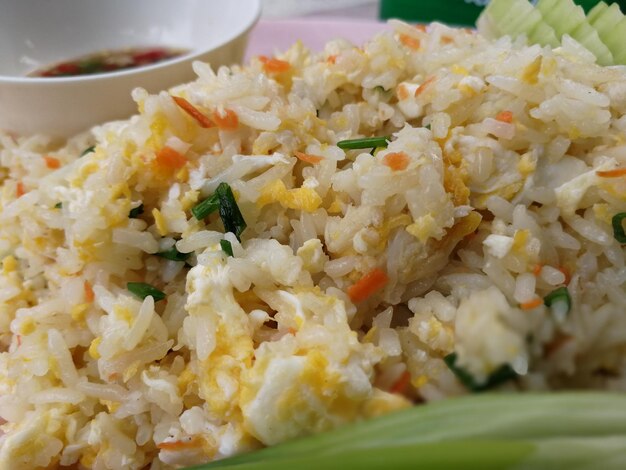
[20, 190]
[397, 161]
[537, 269]
[272, 65]
[402, 383]
[331, 59]
[611, 173]
[51, 162]
[446, 39]
[305, 157]
[227, 121]
[410, 41]
[368, 285]
[423, 86]
[89, 295]
[402, 92]
[421, 27]
[505, 116]
[531, 304]
[194, 112]
[566, 273]
[168, 158]
[194, 442]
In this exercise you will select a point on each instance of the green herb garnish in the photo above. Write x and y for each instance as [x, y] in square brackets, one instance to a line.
[58, 205]
[206, 207]
[427, 126]
[503, 374]
[558, 295]
[136, 212]
[229, 210]
[143, 290]
[618, 227]
[227, 247]
[88, 150]
[174, 255]
[365, 143]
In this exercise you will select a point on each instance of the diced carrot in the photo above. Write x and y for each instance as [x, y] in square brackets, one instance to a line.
[423, 86]
[194, 112]
[180, 445]
[537, 269]
[19, 189]
[368, 285]
[227, 121]
[446, 39]
[331, 59]
[51, 162]
[402, 383]
[421, 27]
[89, 295]
[566, 273]
[531, 304]
[168, 158]
[505, 116]
[305, 157]
[611, 173]
[397, 161]
[402, 91]
[410, 41]
[272, 65]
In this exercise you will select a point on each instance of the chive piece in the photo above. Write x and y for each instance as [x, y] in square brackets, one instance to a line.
[206, 207]
[136, 212]
[427, 126]
[229, 211]
[618, 228]
[227, 247]
[58, 205]
[557, 295]
[174, 255]
[380, 89]
[503, 374]
[88, 150]
[143, 290]
[365, 143]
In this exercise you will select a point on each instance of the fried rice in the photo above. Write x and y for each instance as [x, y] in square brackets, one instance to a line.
[476, 250]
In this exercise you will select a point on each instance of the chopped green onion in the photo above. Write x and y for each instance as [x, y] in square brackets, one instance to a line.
[88, 150]
[558, 295]
[365, 143]
[503, 374]
[380, 89]
[58, 205]
[174, 255]
[427, 126]
[206, 207]
[143, 290]
[227, 247]
[618, 227]
[229, 211]
[556, 430]
[136, 212]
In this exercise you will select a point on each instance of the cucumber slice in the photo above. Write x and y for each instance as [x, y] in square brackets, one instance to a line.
[568, 18]
[615, 41]
[596, 11]
[543, 34]
[563, 15]
[588, 37]
[607, 24]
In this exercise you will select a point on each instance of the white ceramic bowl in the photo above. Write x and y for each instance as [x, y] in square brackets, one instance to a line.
[36, 33]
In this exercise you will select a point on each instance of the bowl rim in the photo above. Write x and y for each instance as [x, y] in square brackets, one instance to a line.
[186, 57]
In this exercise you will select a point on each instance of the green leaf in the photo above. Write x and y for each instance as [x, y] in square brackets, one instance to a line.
[143, 290]
[502, 374]
[227, 247]
[58, 205]
[174, 255]
[206, 207]
[558, 295]
[365, 143]
[618, 227]
[229, 211]
[136, 212]
[88, 150]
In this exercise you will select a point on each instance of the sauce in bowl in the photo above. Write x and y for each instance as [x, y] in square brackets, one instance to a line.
[109, 61]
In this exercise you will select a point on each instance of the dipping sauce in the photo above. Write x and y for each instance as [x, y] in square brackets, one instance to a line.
[109, 61]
